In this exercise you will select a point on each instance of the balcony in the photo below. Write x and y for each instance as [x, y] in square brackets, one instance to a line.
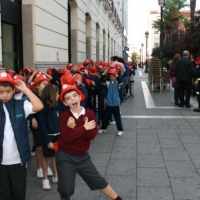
[106, 4]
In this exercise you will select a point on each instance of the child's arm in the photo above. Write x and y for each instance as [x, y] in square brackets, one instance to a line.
[35, 101]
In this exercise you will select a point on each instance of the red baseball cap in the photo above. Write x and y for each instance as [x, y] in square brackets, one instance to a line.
[18, 77]
[66, 88]
[5, 77]
[38, 79]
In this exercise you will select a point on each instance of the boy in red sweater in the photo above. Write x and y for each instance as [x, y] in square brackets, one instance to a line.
[77, 128]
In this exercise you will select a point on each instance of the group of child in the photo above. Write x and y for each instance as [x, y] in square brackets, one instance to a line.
[64, 108]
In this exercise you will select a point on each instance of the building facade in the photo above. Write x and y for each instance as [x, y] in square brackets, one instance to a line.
[54, 32]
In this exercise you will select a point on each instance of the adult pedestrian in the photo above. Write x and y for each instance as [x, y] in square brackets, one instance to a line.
[183, 73]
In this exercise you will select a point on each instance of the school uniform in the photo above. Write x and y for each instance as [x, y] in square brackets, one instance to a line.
[72, 156]
[14, 148]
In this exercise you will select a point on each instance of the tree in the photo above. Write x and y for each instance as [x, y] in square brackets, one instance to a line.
[134, 56]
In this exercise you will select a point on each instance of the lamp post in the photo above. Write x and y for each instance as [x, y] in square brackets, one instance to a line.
[161, 4]
[146, 65]
[142, 55]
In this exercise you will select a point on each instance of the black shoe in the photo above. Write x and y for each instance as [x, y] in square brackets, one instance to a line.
[177, 104]
[181, 105]
[197, 110]
[188, 106]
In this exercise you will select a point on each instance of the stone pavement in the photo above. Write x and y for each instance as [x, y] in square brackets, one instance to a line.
[158, 157]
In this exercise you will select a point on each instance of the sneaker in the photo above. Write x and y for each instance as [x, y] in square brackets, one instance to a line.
[102, 131]
[113, 122]
[33, 151]
[197, 110]
[46, 184]
[120, 133]
[54, 179]
[49, 172]
[40, 173]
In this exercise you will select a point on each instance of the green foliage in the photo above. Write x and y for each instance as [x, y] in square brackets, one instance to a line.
[134, 56]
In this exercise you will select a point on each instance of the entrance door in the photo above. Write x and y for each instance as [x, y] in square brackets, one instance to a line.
[11, 34]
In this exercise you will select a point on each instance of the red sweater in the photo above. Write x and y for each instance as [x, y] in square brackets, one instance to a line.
[76, 141]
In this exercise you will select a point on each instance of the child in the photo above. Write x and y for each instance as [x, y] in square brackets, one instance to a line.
[112, 103]
[77, 129]
[14, 140]
[49, 126]
[37, 87]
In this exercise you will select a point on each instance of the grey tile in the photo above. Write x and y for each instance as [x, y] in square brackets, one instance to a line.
[154, 193]
[181, 169]
[125, 142]
[167, 134]
[171, 143]
[195, 159]
[186, 188]
[192, 148]
[175, 154]
[124, 185]
[190, 139]
[152, 177]
[150, 160]
[122, 167]
[147, 137]
[148, 148]
[124, 153]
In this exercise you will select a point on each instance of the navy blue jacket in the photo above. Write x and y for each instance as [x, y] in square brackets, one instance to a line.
[19, 124]
[48, 122]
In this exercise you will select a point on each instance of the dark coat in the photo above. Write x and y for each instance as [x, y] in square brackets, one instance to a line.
[184, 70]
[19, 124]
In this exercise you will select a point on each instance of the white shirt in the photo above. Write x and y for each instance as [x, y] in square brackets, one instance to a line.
[10, 151]
[76, 115]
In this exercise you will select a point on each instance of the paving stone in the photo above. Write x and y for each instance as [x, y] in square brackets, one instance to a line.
[125, 142]
[154, 193]
[152, 177]
[195, 159]
[190, 139]
[122, 167]
[192, 148]
[124, 185]
[186, 131]
[124, 153]
[147, 137]
[181, 169]
[148, 148]
[150, 160]
[186, 188]
[171, 143]
[175, 154]
[167, 134]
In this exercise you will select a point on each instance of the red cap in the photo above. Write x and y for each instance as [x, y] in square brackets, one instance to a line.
[5, 77]
[77, 76]
[67, 79]
[112, 71]
[86, 62]
[118, 67]
[93, 70]
[92, 62]
[10, 72]
[30, 69]
[18, 77]
[38, 79]
[69, 66]
[89, 81]
[49, 71]
[66, 88]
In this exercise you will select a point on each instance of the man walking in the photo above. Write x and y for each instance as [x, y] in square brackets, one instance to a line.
[183, 73]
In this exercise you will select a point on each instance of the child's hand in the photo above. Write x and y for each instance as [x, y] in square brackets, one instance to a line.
[50, 145]
[20, 85]
[89, 125]
[71, 122]
[34, 123]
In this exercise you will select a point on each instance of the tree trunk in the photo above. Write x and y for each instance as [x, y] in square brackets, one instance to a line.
[192, 11]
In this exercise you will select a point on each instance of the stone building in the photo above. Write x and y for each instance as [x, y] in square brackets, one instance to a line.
[43, 33]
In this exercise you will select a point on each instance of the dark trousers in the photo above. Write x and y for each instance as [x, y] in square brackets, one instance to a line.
[12, 182]
[185, 91]
[176, 95]
[115, 110]
[101, 108]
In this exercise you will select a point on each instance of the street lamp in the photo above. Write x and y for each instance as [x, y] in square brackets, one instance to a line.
[142, 55]
[161, 4]
[146, 36]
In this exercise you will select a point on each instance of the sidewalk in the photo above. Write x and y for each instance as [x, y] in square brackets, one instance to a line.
[158, 157]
